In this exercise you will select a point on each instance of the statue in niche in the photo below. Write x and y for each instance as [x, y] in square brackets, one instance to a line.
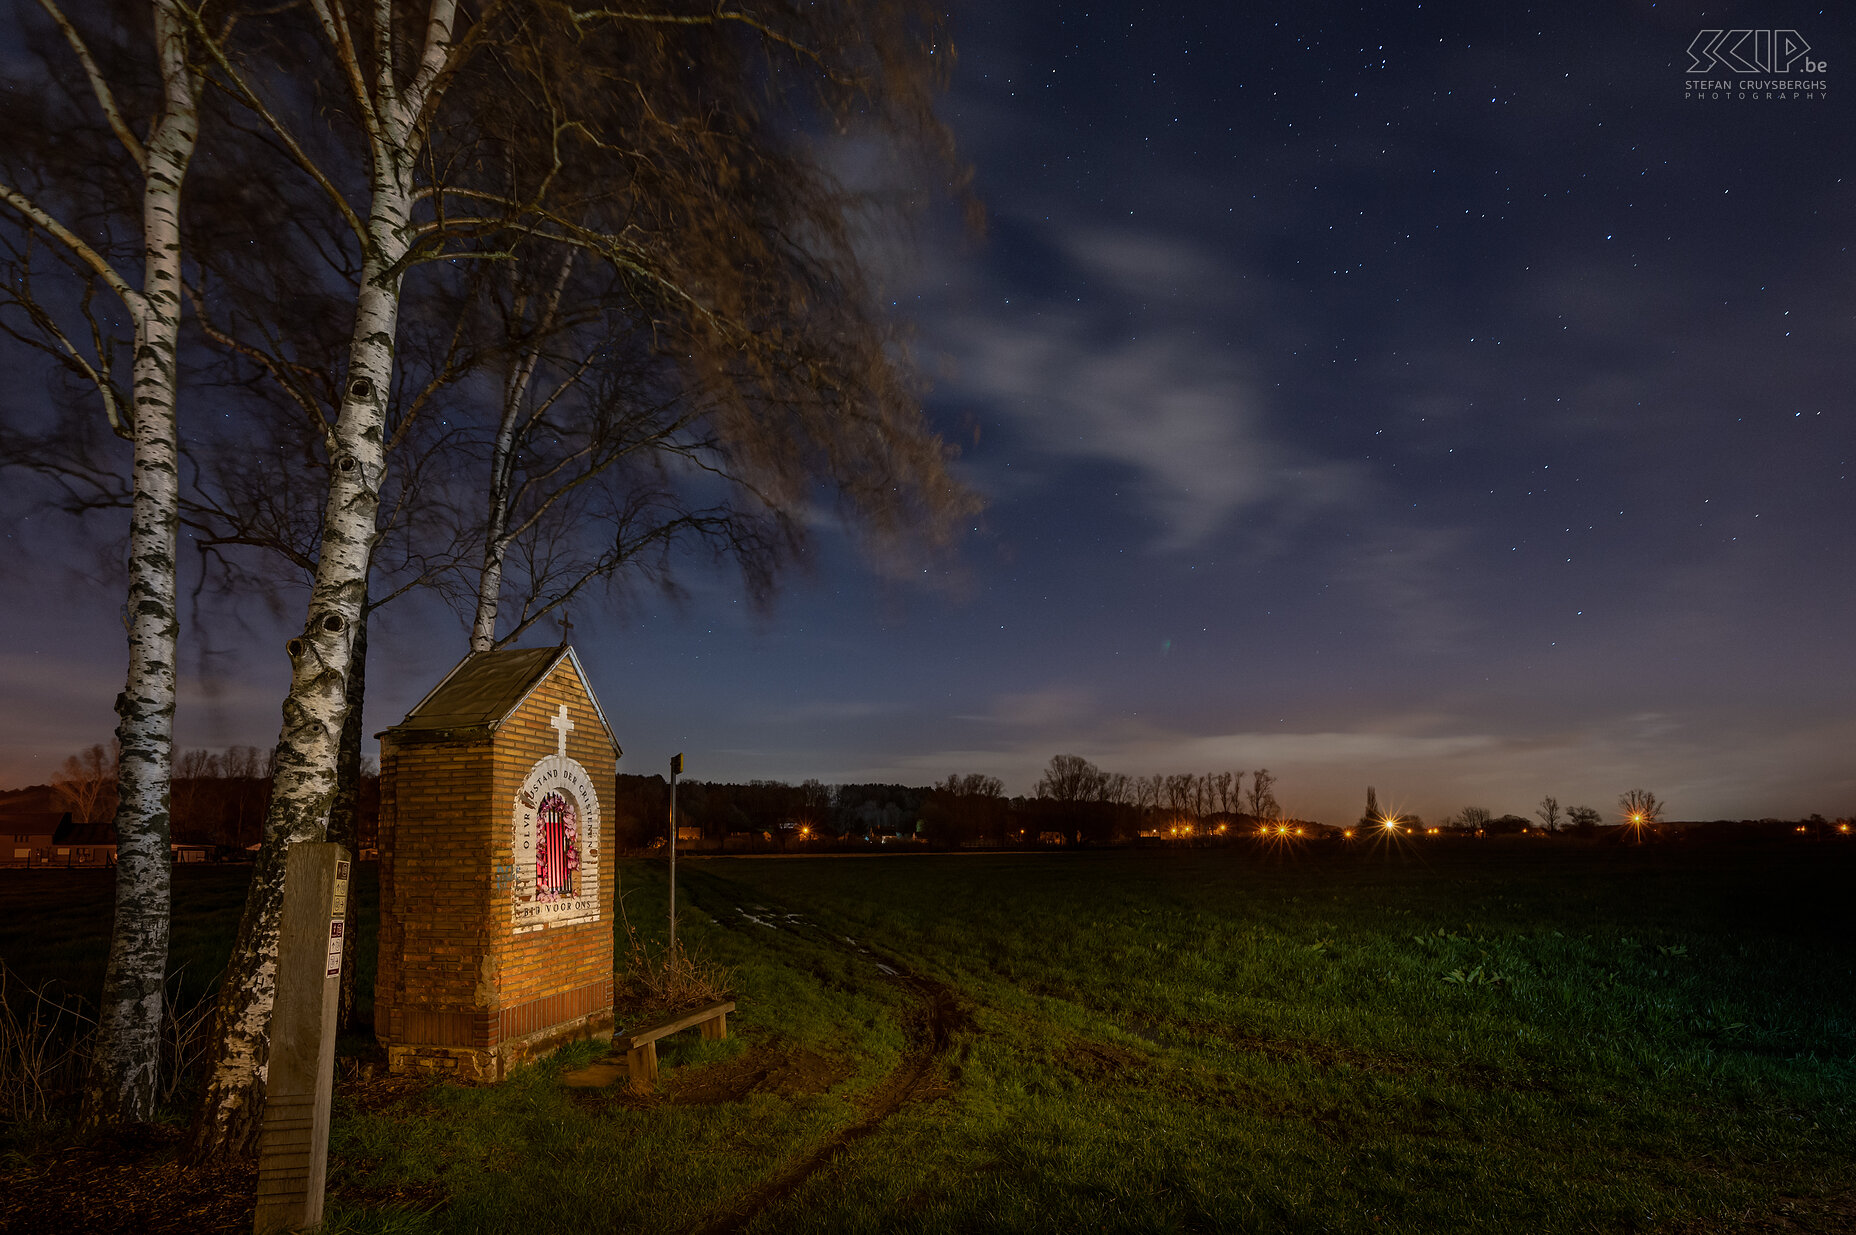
[557, 849]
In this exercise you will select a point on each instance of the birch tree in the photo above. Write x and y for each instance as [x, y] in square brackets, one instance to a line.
[412, 159]
[122, 1083]
[393, 99]
[760, 376]
[583, 460]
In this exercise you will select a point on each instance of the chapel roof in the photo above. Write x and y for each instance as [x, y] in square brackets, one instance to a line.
[485, 688]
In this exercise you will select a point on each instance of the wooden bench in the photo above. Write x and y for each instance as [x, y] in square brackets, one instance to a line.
[641, 1045]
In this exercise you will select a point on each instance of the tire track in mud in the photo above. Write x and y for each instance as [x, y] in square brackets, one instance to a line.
[931, 1023]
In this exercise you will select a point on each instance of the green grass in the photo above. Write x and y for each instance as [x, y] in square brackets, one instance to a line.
[1508, 1037]
[1521, 1038]
[54, 926]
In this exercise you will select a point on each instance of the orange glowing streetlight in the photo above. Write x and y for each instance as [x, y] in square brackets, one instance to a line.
[1642, 811]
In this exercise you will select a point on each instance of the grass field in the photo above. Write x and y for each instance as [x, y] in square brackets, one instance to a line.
[1533, 1036]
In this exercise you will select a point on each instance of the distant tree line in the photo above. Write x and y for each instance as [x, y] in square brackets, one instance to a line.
[1074, 801]
[219, 796]
[1639, 809]
[773, 810]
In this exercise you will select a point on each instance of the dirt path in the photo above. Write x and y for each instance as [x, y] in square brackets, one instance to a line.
[933, 1018]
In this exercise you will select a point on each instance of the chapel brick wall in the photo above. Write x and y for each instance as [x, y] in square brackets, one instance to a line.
[450, 961]
[436, 819]
[556, 958]
[388, 939]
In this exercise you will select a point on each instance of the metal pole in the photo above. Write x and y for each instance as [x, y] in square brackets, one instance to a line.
[676, 766]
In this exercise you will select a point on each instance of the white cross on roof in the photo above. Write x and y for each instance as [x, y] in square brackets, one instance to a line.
[564, 725]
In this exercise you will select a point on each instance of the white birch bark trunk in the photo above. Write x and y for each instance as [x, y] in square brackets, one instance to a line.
[123, 1079]
[315, 710]
[496, 525]
[496, 535]
[316, 707]
[489, 582]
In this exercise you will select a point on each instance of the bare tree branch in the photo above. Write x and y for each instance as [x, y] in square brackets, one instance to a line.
[98, 265]
[99, 86]
[242, 90]
[584, 16]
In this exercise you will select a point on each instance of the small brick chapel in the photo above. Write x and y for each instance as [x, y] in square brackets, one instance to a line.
[495, 896]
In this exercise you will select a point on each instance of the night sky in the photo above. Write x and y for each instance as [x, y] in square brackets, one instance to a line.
[1431, 397]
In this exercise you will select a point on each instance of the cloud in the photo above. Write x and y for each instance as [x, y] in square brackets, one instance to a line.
[1404, 573]
[1041, 709]
[1149, 266]
[1703, 766]
[1317, 772]
[1187, 419]
[826, 710]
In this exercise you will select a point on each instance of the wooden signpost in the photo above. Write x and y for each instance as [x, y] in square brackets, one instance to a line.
[293, 1141]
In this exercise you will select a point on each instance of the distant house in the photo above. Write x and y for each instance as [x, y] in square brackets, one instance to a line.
[30, 836]
[50, 840]
[43, 839]
[84, 844]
